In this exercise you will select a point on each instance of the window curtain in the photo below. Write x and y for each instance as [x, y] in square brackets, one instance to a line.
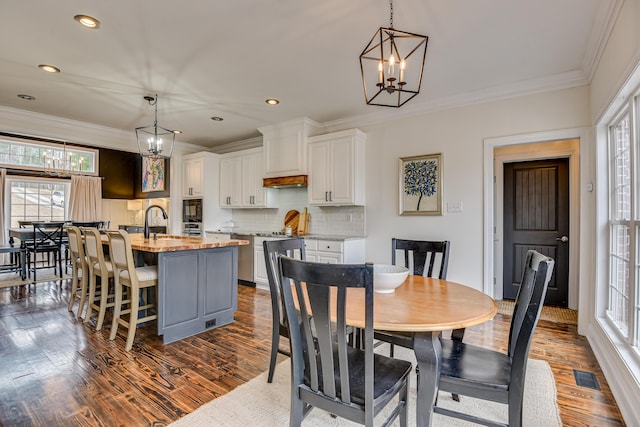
[85, 200]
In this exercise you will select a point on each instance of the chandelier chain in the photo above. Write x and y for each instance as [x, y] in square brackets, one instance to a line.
[391, 14]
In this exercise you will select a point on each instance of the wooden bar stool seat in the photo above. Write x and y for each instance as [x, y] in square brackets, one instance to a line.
[140, 282]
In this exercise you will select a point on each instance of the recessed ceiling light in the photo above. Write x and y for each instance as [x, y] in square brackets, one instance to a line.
[217, 119]
[272, 101]
[26, 97]
[176, 131]
[88, 21]
[49, 68]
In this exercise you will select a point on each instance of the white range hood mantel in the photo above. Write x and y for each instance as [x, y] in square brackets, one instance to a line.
[285, 147]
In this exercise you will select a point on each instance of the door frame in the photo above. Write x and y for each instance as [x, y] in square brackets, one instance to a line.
[532, 146]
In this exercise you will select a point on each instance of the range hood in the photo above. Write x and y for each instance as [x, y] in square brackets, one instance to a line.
[285, 182]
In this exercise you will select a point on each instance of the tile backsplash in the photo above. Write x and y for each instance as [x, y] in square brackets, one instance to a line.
[331, 220]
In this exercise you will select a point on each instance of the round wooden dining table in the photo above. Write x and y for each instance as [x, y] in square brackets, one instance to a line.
[425, 307]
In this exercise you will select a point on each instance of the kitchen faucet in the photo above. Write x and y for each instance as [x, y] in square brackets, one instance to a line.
[146, 218]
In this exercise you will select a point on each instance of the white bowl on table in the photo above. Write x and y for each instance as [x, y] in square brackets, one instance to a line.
[386, 278]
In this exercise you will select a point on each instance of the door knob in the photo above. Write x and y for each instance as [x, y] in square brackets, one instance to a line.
[563, 239]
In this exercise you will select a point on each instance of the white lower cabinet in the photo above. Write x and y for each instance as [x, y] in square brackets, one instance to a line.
[259, 264]
[347, 251]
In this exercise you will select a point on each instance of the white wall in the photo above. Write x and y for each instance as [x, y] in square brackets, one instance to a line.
[459, 135]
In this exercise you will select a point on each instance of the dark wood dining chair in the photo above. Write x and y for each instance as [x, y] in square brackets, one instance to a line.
[292, 248]
[468, 370]
[348, 382]
[423, 258]
[47, 239]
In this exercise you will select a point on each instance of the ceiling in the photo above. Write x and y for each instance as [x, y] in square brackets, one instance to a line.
[206, 58]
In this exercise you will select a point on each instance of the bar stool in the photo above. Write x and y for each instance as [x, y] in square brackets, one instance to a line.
[80, 269]
[100, 299]
[137, 280]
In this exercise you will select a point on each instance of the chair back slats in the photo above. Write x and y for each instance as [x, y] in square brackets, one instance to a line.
[423, 258]
[325, 358]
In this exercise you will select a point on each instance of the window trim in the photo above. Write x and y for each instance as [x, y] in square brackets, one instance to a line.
[43, 143]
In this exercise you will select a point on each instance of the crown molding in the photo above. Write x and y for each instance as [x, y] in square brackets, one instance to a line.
[561, 81]
[601, 31]
[238, 145]
[29, 123]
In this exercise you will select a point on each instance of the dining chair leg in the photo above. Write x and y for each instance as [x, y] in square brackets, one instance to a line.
[275, 342]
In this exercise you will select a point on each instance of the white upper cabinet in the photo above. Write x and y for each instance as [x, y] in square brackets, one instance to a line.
[241, 181]
[336, 169]
[193, 176]
[230, 182]
[285, 147]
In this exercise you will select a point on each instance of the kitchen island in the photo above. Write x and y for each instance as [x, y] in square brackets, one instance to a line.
[197, 282]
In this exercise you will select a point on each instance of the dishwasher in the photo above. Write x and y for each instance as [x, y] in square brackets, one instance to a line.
[245, 260]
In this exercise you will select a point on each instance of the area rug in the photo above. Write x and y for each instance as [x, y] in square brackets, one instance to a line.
[550, 313]
[260, 403]
[47, 275]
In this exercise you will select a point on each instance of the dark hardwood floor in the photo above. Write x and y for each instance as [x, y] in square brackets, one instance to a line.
[57, 371]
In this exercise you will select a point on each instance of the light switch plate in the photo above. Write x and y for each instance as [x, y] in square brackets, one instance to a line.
[454, 206]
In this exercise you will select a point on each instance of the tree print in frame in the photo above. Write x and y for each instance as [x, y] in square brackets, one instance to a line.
[421, 185]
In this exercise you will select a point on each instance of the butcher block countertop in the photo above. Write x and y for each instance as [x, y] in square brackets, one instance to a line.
[169, 243]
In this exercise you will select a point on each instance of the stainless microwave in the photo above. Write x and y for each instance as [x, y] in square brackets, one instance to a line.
[192, 210]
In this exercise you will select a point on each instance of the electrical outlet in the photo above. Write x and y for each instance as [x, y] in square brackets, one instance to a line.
[454, 206]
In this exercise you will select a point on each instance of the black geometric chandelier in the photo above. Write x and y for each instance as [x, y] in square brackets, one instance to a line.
[392, 65]
[155, 141]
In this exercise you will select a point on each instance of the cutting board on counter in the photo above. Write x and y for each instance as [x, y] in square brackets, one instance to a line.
[291, 219]
[303, 223]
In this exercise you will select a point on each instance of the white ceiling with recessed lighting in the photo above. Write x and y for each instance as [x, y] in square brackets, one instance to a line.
[207, 58]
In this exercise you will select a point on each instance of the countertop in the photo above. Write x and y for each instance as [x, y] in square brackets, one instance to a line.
[169, 243]
[270, 234]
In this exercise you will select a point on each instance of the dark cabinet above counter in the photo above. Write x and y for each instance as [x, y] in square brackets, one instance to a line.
[122, 173]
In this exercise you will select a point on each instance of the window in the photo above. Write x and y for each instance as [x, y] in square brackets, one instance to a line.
[53, 158]
[37, 200]
[622, 306]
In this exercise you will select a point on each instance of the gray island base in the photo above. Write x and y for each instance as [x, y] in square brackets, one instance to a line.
[197, 282]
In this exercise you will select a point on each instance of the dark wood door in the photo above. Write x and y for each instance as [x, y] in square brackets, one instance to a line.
[536, 216]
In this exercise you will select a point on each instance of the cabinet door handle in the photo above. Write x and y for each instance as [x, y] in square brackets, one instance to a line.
[330, 196]
[326, 196]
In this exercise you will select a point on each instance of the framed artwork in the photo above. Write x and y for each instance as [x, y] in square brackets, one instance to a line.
[421, 185]
[153, 174]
